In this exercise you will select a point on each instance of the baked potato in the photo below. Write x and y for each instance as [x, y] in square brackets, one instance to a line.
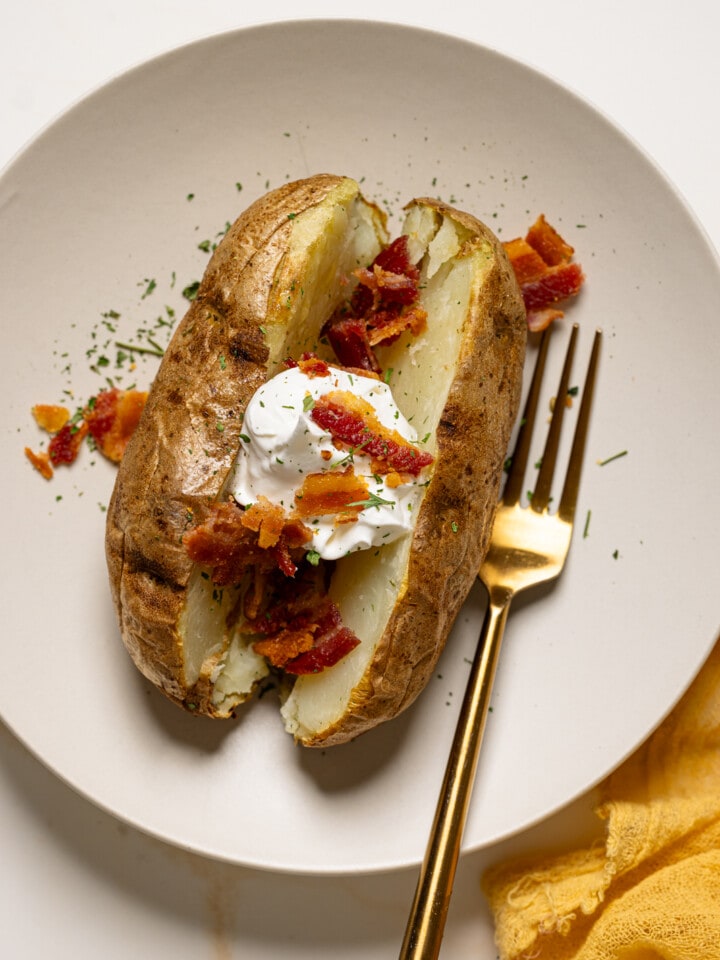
[284, 269]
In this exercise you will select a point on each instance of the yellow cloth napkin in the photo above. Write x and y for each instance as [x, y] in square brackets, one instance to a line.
[650, 888]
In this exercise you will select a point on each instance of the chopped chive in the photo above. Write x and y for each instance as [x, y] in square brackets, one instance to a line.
[615, 456]
[155, 351]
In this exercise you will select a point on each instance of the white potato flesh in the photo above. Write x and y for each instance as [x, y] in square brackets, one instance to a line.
[366, 586]
[328, 242]
[237, 673]
[326, 246]
[202, 626]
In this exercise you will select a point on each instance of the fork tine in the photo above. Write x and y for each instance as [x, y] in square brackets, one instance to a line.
[519, 456]
[541, 494]
[568, 499]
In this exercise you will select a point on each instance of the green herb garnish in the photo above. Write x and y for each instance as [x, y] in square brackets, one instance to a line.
[373, 500]
[615, 456]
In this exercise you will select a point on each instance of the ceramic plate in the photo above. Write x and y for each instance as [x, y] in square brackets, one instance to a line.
[104, 218]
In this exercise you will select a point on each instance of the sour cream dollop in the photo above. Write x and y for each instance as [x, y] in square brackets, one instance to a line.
[282, 444]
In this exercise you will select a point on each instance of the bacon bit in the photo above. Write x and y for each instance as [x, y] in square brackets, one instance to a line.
[542, 264]
[112, 417]
[348, 516]
[311, 640]
[348, 337]
[395, 260]
[393, 479]
[41, 462]
[558, 283]
[65, 445]
[331, 492]
[553, 402]
[330, 647]
[266, 519]
[299, 627]
[350, 419]
[537, 320]
[226, 544]
[382, 306]
[285, 646]
[50, 417]
[289, 603]
[526, 261]
[549, 244]
[313, 366]
[387, 287]
[387, 327]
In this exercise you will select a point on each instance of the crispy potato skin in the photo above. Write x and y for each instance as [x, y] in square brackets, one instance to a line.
[188, 435]
[473, 438]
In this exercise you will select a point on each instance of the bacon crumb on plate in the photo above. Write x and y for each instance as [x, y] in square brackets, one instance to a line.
[109, 418]
[50, 416]
[112, 419]
[41, 462]
[547, 275]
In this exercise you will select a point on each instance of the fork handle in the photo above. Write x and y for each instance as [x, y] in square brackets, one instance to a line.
[426, 923]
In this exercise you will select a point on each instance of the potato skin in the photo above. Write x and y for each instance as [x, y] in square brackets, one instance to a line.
[455, 520]
[189, 433]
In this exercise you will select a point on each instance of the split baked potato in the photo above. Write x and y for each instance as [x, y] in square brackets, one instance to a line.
[282, 270]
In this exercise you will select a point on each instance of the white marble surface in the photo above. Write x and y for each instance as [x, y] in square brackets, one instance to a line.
[76, 883]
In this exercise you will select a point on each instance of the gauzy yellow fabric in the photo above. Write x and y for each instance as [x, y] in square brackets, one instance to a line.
[650, 888]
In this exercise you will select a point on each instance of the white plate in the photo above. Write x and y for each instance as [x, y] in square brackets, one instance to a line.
[99, 204]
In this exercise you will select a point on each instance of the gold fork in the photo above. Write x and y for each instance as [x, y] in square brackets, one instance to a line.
[528, 547]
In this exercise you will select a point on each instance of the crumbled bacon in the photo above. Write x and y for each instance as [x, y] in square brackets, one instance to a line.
[41, 462]
[307, 634]
[537, 320]
[348, 337]
[352, 420]
[65, 445]
[542, 262]
[336, 491]
[388, 287]
[112, 417]
[54, 419]
[298, 626]
[526, 262]
[388, 325]
[382, 306]
[332, 641]
[313, 366]
[549, 244]
[229, 542]
[50, 417]
[266, 519]
[289, 602]
[285, 645]
[392, 478]
[557, 283]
